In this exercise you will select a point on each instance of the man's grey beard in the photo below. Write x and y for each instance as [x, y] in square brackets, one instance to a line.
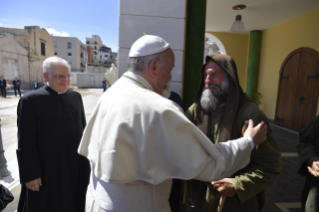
[210, 101]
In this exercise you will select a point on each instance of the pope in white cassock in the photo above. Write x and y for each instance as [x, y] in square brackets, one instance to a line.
[137, 141]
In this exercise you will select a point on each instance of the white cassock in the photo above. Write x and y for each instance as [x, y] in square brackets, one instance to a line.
[137, 142]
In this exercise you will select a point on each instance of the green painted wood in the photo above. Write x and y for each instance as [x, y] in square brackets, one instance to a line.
[194, 48]
[253, 63]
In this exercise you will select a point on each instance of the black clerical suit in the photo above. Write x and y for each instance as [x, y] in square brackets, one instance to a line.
[16, 86]
[104, 85]
[50, 127]
[3, 85]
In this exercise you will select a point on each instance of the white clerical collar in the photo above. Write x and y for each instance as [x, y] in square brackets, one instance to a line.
[57, 92]
[139, 78]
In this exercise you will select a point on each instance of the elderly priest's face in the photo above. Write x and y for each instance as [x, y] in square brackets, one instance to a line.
[59, 78]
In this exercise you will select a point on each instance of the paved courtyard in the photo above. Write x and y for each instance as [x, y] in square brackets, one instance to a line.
[283, 195]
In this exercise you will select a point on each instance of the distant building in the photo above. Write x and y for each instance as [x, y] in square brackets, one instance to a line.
[95, 43]
[22, 52]
[102, 56]
[72, 50]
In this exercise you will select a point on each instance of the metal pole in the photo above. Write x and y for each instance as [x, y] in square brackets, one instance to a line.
[3, 162]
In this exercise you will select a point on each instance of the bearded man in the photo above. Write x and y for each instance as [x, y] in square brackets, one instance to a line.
[135, 156]
[220, 111]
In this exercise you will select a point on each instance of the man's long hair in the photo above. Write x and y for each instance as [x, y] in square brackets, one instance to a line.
[234, 98]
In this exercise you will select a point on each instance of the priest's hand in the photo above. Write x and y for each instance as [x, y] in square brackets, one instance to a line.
[225, 187]
[34, 185]
[314, 166]
[258, 133]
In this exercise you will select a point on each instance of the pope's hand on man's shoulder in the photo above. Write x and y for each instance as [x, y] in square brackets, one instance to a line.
[258, 133]
[34, 185]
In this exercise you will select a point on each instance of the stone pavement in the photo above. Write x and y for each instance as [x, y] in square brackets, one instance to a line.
[283, 195]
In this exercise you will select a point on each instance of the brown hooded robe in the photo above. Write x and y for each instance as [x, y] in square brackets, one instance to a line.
[225, 124]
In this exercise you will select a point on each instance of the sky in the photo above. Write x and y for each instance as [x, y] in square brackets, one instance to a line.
[80, 18]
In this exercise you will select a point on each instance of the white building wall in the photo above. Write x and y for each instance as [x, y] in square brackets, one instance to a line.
[164, 18]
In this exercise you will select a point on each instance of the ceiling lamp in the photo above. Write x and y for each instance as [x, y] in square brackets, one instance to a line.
[238, 25]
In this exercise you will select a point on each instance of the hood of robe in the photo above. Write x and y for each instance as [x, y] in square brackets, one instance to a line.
[234, 100]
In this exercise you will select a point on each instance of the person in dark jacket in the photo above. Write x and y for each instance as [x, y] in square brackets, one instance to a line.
[16, 85]
[104, 84]
[3, 87]
[308, 150]
[36, 85]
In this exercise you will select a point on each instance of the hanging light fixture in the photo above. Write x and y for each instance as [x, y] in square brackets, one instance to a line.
[238, 25]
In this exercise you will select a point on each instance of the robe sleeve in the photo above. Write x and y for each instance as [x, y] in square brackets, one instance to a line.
[27, 152]
[265, 164]
[307, 148]
[222, 159]
[157, 146]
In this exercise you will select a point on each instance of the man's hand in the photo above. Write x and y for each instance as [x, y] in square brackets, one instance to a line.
[34, 185]
[258, 133]
[314, 166]
[224, 187]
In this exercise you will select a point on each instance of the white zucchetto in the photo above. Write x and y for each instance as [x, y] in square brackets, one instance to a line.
[148, 45]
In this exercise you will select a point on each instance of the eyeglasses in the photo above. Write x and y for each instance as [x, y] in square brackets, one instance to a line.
[62, 77]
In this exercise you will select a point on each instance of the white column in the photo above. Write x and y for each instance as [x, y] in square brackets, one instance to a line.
[164, 18]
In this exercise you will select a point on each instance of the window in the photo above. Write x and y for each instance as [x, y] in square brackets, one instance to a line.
[95, 42]
[69, 45]
[87, 42]
[100, 56]
[70, 65]
[55, 54]
[55, 44]
[42, 48]
[69, 55]
[95, 47]
[81, 55]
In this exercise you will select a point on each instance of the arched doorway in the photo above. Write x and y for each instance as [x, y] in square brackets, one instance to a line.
[298, 89]
[213, 45]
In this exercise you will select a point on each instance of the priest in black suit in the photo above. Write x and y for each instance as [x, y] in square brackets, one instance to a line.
[53, 176]
[3, 87]
[16, 86]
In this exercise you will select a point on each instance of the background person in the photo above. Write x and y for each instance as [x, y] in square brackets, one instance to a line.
[36, 85]
[16, 85]
[3, 87]
[308, 150]
[104, 84]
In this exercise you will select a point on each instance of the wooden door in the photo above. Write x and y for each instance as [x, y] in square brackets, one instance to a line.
[298, 90]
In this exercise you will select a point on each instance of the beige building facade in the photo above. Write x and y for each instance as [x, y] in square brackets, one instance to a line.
[72, 50]
[22, 52]
[95, 43]
[102, 56]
